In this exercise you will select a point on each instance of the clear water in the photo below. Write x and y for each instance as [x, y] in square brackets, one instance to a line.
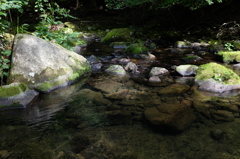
[78, 122]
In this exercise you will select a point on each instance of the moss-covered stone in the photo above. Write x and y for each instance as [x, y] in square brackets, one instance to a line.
[71, 25]
[63, 80]
[136, 48]
[120, 43]
[230, 56]
[8, 92]
[116, 70]
[218, 73]
[236, 45]
[12, 90]
[118, 34]
[183, 44]
[47, 69]
[43, 87]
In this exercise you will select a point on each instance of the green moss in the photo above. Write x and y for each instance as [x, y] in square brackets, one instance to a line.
[43, 87]
[70, 25]
[119, 34]
[183, 44]
[23, 87]
[8, 91]
[230, 56]
[236, 44]
[218, 73]
[120, 43]
[74, 76]
[136, 48]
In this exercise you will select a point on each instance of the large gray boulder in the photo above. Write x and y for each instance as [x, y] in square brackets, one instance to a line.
[45, 66]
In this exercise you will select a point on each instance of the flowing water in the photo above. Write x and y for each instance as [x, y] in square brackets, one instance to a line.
[78, 122]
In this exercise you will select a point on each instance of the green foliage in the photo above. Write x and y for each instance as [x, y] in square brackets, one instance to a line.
[50, 28]
[6, 22]
[51, 12]
[229, 46]
[192, 4]
[59, 36]
[4, 62]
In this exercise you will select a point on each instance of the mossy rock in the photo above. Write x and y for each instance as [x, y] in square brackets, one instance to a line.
[136, 48]
[116, 70]
[16, 95]
[236, 45]
[230, 56]
[217, 72]
[118, 34]
[45, 66]
[71, 26]
[183, 44]
[120, 44]
[12, 90]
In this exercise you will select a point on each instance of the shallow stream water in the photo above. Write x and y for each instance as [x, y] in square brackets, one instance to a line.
[78, 122]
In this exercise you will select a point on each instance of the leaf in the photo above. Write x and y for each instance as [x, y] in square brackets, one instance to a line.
[5, 73]
[6, 60]
[5, 66]
[7, 52]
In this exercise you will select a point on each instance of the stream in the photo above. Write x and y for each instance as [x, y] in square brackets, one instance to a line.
[85, 121]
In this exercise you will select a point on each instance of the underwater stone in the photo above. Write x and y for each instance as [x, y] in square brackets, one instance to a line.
[116, 70]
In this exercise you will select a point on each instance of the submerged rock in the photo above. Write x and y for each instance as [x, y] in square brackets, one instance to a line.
[45, 66]
[174, 89]
[171, 117]
[116, 70]
[217, 134]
